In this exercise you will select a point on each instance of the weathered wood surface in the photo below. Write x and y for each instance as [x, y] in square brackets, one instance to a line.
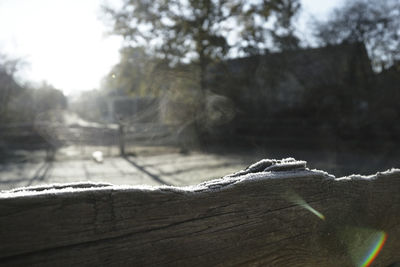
[254, 217]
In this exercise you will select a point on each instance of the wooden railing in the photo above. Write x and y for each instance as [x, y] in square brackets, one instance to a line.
[275, 213]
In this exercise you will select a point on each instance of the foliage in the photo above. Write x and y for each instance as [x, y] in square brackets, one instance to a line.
[133, 75]
[91, 105]
[375, 23]
[180, 101]
[283, 32]
[46, 97]
[23, 103]
[8, 86]
[197, 31]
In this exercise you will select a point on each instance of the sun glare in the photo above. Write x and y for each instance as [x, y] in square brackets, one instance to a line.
[294, 198]
[62, 41]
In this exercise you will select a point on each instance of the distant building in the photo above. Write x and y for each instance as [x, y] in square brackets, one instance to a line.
[387, 97]
[278, 81]
[329, 85]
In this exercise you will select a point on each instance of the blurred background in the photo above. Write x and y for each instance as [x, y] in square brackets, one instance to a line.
[182, 91]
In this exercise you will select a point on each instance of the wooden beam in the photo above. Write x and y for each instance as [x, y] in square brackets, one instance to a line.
[274, 213]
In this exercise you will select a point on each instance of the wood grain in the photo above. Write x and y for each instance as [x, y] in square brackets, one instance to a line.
[250, 218]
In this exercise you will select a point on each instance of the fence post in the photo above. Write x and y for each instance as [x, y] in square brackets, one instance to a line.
[121, 131]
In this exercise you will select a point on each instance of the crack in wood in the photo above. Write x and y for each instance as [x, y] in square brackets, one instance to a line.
[250, 222]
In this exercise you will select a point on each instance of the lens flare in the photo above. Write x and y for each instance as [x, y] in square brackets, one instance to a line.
[363, 244]
[375, 248]
[296, 199]
[315, 212]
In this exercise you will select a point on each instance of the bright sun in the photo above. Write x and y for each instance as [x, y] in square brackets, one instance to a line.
[63, 41]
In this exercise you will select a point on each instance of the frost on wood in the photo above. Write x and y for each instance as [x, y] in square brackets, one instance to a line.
[264, 169]
[273, 213]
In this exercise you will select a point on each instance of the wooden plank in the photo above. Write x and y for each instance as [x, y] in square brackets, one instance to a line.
[260, 216]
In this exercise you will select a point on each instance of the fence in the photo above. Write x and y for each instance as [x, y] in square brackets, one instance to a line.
[52, 136]
[275, 213]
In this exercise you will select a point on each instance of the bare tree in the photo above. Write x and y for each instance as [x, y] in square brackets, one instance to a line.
[197, 31]
[375, 23]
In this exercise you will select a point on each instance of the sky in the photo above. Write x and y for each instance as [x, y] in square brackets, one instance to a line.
[64, 42]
